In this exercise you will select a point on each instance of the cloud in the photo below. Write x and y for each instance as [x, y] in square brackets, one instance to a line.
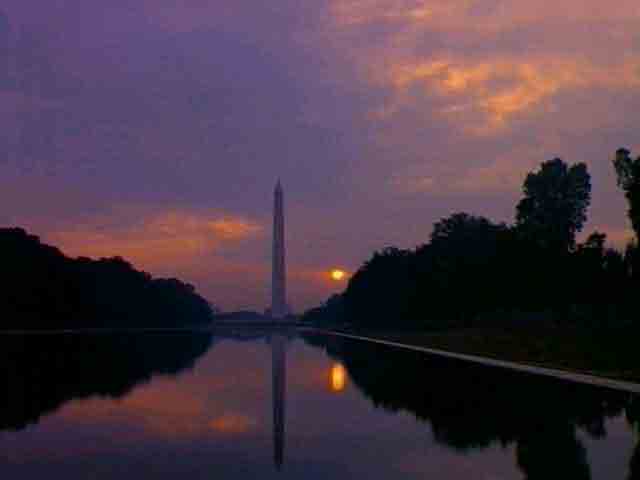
[234, 229]
[358, 12]
[163, 238]
[232, 423]
[482, 65]
[493, 92]
[477, 14]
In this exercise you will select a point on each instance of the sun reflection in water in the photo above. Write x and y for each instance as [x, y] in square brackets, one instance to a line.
[337, 378]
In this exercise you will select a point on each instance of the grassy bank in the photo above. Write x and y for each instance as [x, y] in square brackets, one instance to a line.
[613, 354]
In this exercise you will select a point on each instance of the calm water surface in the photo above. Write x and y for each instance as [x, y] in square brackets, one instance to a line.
[249, 404]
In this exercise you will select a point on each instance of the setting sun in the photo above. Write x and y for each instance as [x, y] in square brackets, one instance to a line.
[338, 274]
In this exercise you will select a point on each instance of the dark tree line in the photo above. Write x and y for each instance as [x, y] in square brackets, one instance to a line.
[628, 172]
[475, 272]
[41, 288]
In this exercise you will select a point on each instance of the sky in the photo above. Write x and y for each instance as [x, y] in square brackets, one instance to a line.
[156, 129]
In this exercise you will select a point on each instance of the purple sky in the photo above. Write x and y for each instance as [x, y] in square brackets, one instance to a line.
[156, 129]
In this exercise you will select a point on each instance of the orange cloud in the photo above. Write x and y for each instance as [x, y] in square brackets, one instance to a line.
[484, 89]
[353, 12]
[497, 90]
[172, 237]
[234, 229]
[480, 14]
[232, 423]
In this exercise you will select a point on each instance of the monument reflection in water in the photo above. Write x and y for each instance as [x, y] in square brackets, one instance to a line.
[278, 379]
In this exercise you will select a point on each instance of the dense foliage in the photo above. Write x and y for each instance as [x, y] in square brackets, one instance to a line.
[44, 289]
[628, 172]
[474, 272]
[554, 207]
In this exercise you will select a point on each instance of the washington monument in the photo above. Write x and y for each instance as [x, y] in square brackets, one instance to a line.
[279, 307]
[279, 310]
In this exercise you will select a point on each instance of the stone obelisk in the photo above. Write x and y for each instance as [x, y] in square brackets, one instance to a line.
[278, 283]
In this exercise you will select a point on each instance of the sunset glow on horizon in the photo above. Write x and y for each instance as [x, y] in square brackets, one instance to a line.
[338, 275]
[380, 116]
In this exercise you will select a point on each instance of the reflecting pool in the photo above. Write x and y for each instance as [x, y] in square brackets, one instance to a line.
[240, 403]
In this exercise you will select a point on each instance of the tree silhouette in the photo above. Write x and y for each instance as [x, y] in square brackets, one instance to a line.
[331, 312]
[554, 207]
[377, 292]
[455, 262]
[44, 289]
[628, 173]
[462, 229]
[474, 272]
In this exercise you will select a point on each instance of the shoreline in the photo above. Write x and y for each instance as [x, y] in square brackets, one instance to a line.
[441, 344]
[549, 369]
